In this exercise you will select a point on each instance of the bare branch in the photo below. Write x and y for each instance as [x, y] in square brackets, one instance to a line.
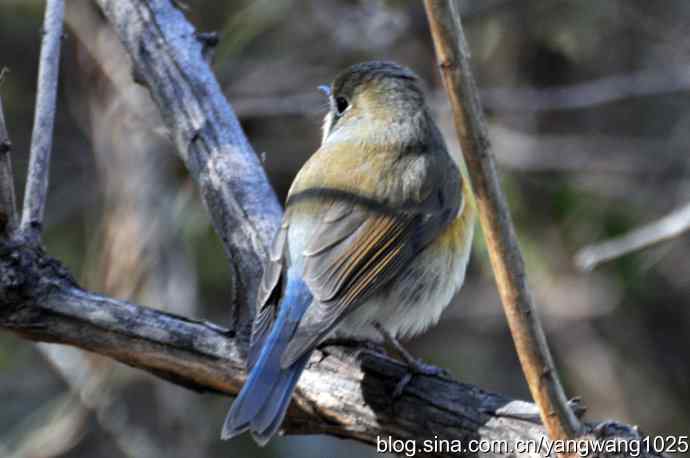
[8, 204]
[672, 225]
[590, 154]
[166, 53]
[44, 117]
[590, 93]
[342, 394]
[504, 252]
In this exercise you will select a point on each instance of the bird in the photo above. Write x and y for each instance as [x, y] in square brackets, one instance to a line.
[374, 242]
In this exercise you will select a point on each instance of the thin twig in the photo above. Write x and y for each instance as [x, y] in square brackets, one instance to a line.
[504, 252]
[44, 118]
[590, 93]
[8, 204]
[672, 225]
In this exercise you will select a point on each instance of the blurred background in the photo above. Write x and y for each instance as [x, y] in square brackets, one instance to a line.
[589, 110]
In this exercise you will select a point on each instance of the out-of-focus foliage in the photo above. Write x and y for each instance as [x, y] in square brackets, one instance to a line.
[579, 166]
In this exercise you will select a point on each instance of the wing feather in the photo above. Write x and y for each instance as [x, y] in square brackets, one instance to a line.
[267, 295]
[342, 277]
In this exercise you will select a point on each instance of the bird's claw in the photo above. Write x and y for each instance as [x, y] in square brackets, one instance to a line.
[423, 368]
[415, 366]
[400, 387]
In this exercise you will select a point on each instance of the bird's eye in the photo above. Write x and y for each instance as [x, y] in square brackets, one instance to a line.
[341, 105]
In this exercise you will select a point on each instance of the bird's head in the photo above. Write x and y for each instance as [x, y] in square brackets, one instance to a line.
[368, 93]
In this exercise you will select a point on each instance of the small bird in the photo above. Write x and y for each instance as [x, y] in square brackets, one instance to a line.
[375, 239]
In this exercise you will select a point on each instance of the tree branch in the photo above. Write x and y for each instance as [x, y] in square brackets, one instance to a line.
[590, 93]
[168, 56]
[341, 393]
[504, 252]
[672, 225]
[8, 204]
[44, 118]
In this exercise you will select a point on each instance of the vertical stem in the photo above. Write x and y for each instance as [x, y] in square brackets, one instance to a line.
[8, 204]
[44, 117]
[504, 252]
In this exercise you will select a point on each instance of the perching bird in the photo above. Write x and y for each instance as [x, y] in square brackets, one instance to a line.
[377, 229]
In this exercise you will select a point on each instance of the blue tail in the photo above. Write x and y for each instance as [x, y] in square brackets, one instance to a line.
[261, 405]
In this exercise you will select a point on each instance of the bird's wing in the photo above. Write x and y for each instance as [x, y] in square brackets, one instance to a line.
[268, 295]
[354, 251]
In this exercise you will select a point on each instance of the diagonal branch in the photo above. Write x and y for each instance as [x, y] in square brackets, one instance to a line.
[44, 118]
[167, 54]
[504, 252]
[8, 204]
[672, 225]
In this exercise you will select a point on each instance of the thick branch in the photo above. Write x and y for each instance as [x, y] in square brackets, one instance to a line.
[672, 225]
[341, 393]
[504, 252]
[167, 56]
[44, 118]
[8, 204]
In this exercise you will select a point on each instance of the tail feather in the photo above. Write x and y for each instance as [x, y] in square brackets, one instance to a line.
[265, 396]
[269, 419]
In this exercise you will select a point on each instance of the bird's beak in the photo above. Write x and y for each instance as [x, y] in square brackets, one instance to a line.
[326, 89]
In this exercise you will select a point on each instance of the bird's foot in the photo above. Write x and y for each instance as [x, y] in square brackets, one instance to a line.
[415, 366]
